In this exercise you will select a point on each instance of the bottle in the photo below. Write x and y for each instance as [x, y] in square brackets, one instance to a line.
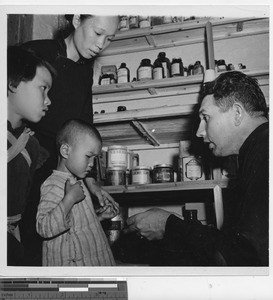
[221, 65]
[190, 70]
[198, 68]
[177, 67]
[107, 79]
[158, 71]
[144, 21]
[190, 215]
[145, 70]
[123, 73]
[133, 22]
[123, 23]
[165, 62]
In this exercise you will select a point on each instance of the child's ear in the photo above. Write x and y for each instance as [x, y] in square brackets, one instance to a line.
[12, 88]
[64, 150]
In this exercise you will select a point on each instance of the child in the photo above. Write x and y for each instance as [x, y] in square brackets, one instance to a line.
[66, 216]
[29, 80]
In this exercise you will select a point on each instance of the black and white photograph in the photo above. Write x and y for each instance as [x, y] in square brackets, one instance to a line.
[137, 142]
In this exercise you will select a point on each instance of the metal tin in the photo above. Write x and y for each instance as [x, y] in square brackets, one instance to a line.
[141, 175]
[117, 156]
[163, 173]
[116, 176]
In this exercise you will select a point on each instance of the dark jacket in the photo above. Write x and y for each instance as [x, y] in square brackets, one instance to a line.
[243, 240]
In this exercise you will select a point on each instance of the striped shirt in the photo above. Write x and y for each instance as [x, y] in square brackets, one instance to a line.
[73, 240]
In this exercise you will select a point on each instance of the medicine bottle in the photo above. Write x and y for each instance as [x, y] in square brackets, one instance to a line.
[177, 67]
[123, 73]
[221, 65]
[144, 21]
[145, 70]
[107, 79]
[133, 22]
[190, 216]
[158, 71]
[198, 68]
[166, 64]
[123, 23]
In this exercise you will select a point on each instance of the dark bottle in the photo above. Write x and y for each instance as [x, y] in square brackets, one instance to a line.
[177, 67]
[198, 68]
[133, 22]
[123, 73]
[145, 70]
[166, 64]
[158, 71]
[190, 215]
[221, 65]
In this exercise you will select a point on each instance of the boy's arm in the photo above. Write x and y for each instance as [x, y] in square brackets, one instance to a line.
[53, 216]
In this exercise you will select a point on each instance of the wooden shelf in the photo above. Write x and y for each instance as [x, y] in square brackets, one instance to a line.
[171, 186]
[188, 32]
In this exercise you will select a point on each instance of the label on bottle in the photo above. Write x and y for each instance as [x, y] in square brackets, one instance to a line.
[193, 169]
[105, 81]
[144, 73]
[144, 23]
[175, 69]
[158, 73]
[166, 70]
[122, 75]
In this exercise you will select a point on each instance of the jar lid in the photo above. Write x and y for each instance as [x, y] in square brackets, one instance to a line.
[142, 168]
[116, 168]
[117, 147]
[163, 166]
[146, 61]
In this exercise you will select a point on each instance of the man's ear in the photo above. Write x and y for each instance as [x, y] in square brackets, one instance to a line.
[12, 88]
[76, 21]
[239, 113]
[64, 150]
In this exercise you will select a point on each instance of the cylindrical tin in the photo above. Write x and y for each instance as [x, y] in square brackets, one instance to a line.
[141, 175]
[117, 156]
[163, 173]
[116, 176]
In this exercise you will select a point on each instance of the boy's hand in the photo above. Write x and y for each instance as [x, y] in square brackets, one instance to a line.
[106, 212]
[74, 191]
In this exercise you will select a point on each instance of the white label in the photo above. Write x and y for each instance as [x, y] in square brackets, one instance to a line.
[117, 157]
[158, 73]
[140, 177]
[166, 70]
[105, 81]
[122, 76]
[145, 73]
[144, 23]
[176, 69]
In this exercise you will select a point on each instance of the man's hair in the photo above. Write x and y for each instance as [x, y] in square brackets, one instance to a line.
[72, 130]
[231, 87]
[22, 65]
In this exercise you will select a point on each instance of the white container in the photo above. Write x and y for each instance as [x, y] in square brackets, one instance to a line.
[117, 156]
[141, 175]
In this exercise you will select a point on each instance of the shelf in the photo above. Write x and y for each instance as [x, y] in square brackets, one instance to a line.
[163, 187]
[188, 32]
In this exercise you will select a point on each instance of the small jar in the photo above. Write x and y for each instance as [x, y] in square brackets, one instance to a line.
[133, 22]
[145, 70]
[165, 62]
[141, 175]
[221, 65]
[177, 67]
[198, 69]
[123, 73]
[144, 21]
[106, 79]
[115, 176]
[163, 173]
[117, 156]
[123, 23]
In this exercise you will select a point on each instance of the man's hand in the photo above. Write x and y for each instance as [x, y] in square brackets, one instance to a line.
[103, 197]
[149, 224]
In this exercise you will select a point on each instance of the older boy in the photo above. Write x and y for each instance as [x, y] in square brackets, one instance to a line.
[29, 80]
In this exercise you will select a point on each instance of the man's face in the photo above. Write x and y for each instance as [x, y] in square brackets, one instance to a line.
[93, 35]
[216, 127]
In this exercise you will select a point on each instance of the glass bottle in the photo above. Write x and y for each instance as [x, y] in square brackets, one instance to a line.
[123, 73]
[158, 71]
[133, 22]
[177, 67]
[145, 70]
[165, 62]
[221, 65]
[198, 68]
[123, 23]
[190, 215]
[144, 21]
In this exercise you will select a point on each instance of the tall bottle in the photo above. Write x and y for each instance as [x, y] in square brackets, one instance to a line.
[177, 67]
[145, 70]
[123, 73]
[165, 62]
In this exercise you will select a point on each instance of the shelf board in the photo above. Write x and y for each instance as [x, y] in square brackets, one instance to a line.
[163, 187]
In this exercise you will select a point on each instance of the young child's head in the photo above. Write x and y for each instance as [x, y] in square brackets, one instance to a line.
[78, 143]
[29, 80]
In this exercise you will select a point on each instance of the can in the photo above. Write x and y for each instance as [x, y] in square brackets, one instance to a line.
[117, 156]
[116, 176]
[163, 173]
[141, 175]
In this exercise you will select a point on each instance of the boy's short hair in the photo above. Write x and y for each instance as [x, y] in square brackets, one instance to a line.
[72, 130]
[22, 65]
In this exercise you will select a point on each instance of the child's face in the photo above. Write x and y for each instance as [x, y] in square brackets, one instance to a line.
[81, 155]
[30, 100]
